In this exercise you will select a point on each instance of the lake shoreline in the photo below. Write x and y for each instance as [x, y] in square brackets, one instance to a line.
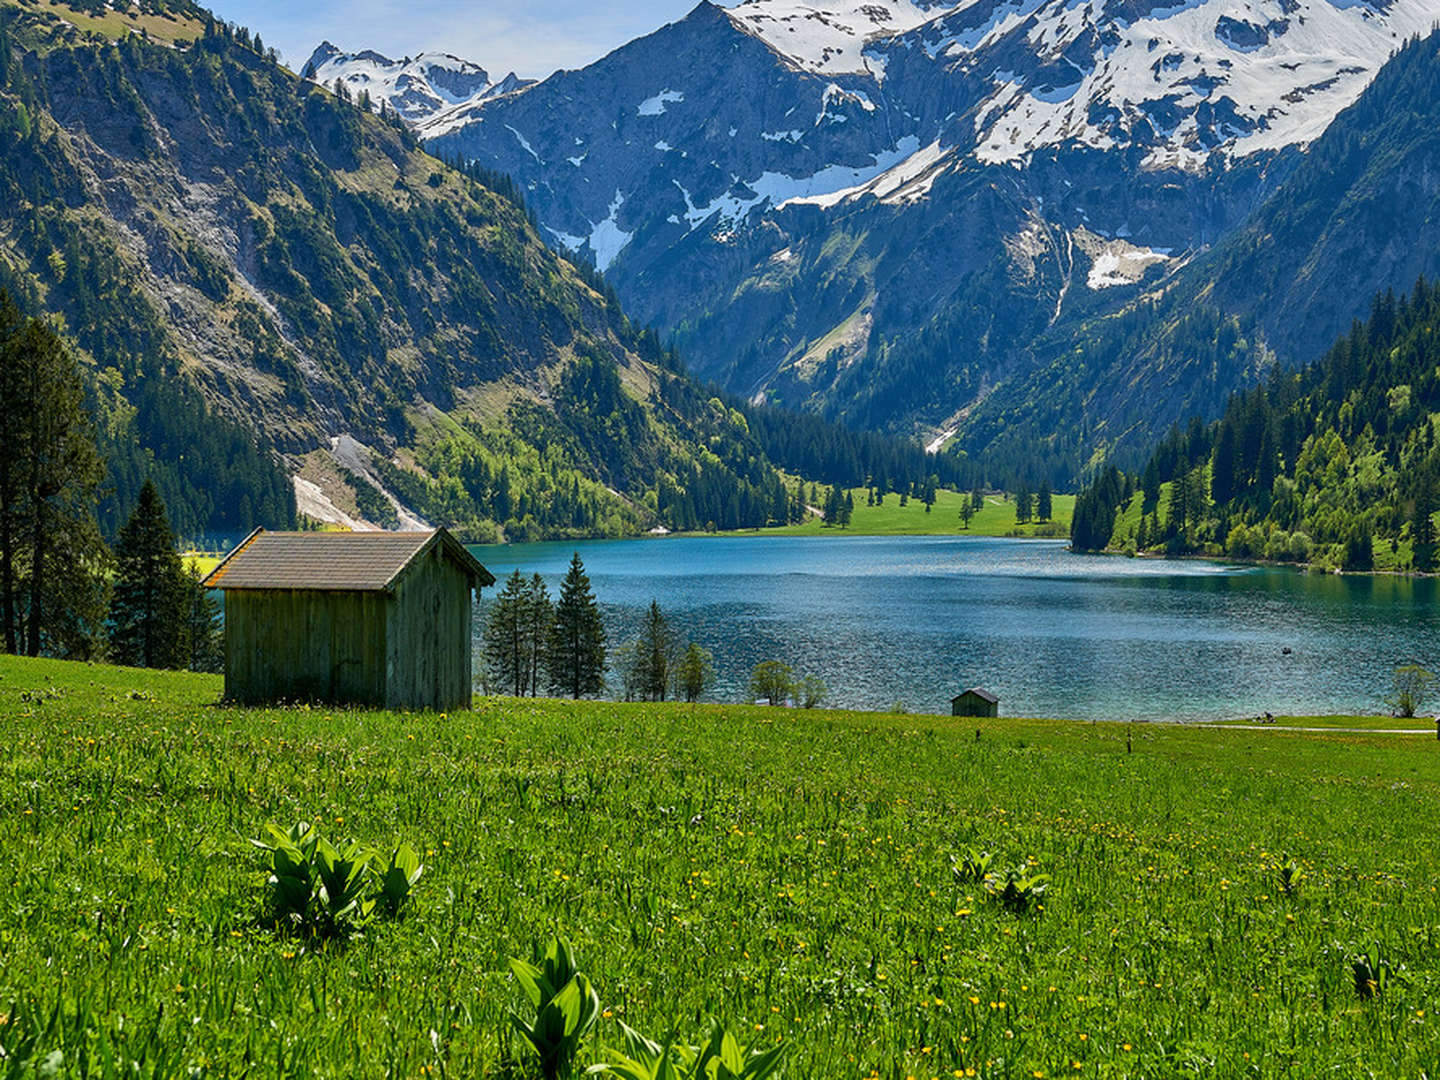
[1268, 564]
[902, 624]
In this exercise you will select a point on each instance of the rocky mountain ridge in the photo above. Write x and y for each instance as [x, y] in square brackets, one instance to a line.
[802, 193]
[421, 88]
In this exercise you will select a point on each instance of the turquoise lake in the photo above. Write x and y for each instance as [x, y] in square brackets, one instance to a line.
[914, 620]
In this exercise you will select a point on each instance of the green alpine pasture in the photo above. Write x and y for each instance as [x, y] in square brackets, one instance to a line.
[995, 518]
[1219, 903]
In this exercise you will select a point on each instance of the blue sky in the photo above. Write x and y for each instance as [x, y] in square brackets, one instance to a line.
[530, 37]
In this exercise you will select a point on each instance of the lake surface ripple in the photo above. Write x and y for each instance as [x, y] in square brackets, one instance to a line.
[914, 620]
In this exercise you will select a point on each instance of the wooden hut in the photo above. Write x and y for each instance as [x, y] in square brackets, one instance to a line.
[365, 618]
[975, 702]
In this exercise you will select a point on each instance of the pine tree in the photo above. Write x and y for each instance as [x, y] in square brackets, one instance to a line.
[12, 419]
[150, 611]
[1177, 515]
[1225, 484]
[577, 640]
[1022, 504]
[1044, 503]
[1422, 532]
[539, 626]
[50, 471]
[653, 655]
[207, 646]
[1150, 487]
[506, 639]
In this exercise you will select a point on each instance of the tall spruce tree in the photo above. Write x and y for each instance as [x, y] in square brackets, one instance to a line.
[507, 641]
[1044, 503]
[53, 562]
[12, 441]
[150, 610]
[577, 640]
[1422, 531]
[653, 656]
[539, 625]
[1022, 504]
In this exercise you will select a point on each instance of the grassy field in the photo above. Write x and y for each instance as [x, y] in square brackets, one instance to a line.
[1371, 723]
[997, 518]
[788, 872]
[203, 561]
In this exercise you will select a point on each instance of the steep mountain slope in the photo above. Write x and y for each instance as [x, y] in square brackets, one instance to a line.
[803, 193]
[208, 227]
[1315, 466]
[1360, 215]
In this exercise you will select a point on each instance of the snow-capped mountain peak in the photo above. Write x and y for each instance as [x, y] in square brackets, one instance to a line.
[829, 37]
[416, 87]
[1181, 77]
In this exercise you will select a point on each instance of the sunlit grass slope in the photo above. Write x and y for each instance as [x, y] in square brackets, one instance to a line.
[996, 518]
[789, 872]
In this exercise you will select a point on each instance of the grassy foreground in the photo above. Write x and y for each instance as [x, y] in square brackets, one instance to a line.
[1341, 723]
[788, 872]
[996, 518]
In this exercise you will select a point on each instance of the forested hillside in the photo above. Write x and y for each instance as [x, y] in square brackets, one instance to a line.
[1336, 464]
[267, 280]
[1359, 214]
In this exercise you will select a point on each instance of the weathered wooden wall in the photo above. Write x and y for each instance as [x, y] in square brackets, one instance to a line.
[428, 661]
[971, 705]
[305, 646]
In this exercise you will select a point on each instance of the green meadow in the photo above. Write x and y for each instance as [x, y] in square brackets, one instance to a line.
[791, 873]
[996, 518]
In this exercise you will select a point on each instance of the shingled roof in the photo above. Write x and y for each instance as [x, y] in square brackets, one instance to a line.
[983, 694]
[334, 561]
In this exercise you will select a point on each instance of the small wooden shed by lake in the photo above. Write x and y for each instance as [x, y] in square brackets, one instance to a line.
[975, 702]
[363, 618]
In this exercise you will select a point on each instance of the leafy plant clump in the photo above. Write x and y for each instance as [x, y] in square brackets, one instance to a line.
[1289, 876]
[1373, 975]
[320, 891]
[563, 1007]
[720, 1058]
[971, 865]
[1019, 891]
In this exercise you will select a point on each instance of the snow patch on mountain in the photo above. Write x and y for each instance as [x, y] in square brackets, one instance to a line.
[827, 37]
[901, 175]
[416, 87]
[524, 142]
[1115, 261]
[607, 239]
[824, 188]
[1121, 264]
[1234, 75]
[655, 106]
[569, 241]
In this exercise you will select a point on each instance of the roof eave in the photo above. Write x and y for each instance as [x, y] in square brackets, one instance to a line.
[458, 551]
[212, 579]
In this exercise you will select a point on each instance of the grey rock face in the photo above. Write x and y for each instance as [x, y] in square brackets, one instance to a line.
[797, 191]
